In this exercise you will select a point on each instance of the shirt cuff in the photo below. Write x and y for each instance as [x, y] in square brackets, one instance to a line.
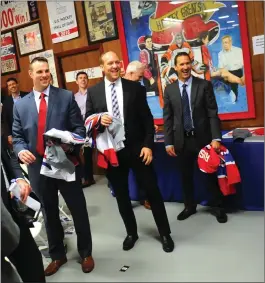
[219, 140]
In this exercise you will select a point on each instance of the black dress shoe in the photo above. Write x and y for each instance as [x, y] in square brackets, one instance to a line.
[129, 242]
[168, 244]
[186, 213]
[220, 215]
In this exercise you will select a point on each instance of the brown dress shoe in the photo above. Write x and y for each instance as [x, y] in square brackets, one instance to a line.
[54, 266]
[147, 204]
[88, 264]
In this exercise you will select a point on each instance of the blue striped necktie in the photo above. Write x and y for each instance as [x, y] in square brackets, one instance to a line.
[115, 105]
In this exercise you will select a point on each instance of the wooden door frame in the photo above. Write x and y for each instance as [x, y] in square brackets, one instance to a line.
[77, 51]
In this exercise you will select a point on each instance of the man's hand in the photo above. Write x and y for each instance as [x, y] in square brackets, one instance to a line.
[147, 155]
[171, 151]
[216, 146]
[25, 189]
[156, 128]
[26, 157]
[106, 120]
[10, 140]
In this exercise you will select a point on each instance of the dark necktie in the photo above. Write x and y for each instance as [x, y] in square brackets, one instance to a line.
[186, 110]
[41, 124]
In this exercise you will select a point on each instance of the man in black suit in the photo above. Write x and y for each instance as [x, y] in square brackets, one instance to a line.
[190, 122]
[127, 100]
[14, 94]
[26, 256]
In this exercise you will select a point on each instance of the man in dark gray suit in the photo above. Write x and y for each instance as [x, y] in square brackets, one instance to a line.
[191, 122]
[48, 107]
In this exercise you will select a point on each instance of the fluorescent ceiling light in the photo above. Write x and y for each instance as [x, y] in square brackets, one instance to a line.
[235, 25]
[223, 17]
[234, 6]
[211, 10]
[173, 20]
[229, 22]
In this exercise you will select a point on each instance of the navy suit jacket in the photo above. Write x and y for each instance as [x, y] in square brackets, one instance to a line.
[63, 114]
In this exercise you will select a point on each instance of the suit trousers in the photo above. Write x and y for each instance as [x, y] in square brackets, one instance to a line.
[75, 200]
[26, 257]
[118, 176]
[88, 166]
[188, 160]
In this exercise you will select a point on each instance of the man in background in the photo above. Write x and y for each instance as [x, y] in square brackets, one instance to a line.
[80, 97]
[14, 94]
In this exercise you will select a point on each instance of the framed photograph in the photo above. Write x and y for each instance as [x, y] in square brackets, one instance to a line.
[9, 58]
[100, 21]
[213, 33]
[29, 38]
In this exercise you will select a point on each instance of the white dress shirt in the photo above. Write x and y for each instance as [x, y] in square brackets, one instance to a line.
[37, 97]
[231, 60]
[80, 99]
[119, 93]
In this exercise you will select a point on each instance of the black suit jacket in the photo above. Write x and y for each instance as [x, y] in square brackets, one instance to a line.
[8, 113]
[204, 114]
[138, 120]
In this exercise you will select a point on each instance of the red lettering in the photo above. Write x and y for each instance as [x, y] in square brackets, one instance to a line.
[7, 18]
[10, 16]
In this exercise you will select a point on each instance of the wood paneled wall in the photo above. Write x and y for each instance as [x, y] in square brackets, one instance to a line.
[255, 22]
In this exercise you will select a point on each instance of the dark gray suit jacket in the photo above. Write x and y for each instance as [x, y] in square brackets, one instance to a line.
[204, 114]
[63, 114]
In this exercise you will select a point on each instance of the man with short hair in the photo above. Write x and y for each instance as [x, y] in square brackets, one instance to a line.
[191, 122]
[14, 94]
[44, 108]
[126, 100]
[80, 97]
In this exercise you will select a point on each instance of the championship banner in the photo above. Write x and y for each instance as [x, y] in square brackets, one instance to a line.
[62, 20]
[15, 13]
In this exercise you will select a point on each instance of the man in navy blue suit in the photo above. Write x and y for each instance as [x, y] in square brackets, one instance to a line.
[44, 108]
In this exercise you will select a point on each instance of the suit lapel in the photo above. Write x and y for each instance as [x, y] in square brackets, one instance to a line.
[194, 88]
[177, 98]
[52, 101]
[126, 95]
[33, 109]
[102, 96]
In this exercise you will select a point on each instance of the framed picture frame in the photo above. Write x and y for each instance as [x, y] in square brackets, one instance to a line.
[202, 28]
[9, 58]
[100, 20]
[29, 39]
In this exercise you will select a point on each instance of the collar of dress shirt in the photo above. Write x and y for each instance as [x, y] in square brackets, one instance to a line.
[16, 96]
[188, 82]
[108, 83]
[37, 93]
[81, 93]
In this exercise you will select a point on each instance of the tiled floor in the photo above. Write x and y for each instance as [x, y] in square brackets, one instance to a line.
[204, 249]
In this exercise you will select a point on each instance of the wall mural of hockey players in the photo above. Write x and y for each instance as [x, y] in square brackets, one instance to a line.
[209, 31]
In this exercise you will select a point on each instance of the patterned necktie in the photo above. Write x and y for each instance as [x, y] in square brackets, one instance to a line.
[115, 105]
[186, 110]
[41, 124]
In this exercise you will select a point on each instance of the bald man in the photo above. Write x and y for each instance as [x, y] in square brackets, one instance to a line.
[126, 100]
